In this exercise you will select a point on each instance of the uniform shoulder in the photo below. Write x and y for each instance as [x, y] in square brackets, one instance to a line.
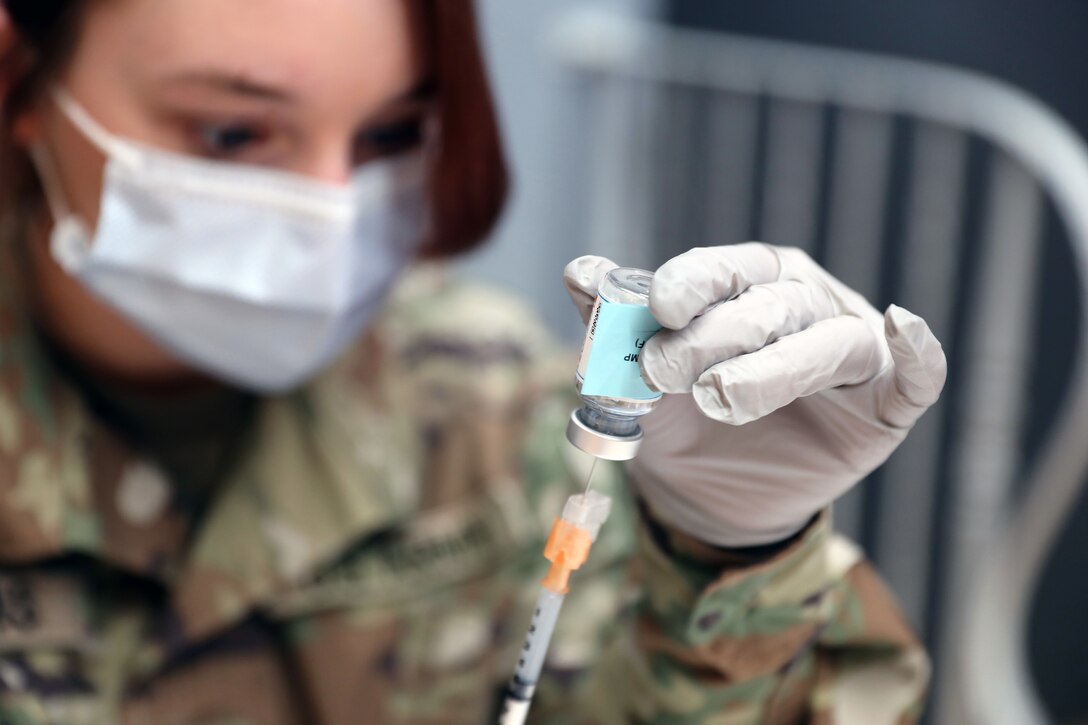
[449, 338]
[435, 303]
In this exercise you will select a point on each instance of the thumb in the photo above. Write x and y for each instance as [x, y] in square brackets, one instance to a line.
[919, 368]
[582, 277]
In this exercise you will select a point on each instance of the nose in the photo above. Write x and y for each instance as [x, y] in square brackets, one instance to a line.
[332, 165]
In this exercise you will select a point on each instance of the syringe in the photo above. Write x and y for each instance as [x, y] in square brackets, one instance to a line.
[569, 542]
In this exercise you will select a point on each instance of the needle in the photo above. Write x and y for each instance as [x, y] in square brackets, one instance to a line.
[589, 478]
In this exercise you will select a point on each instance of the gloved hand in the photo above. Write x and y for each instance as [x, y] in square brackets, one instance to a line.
[783, 388]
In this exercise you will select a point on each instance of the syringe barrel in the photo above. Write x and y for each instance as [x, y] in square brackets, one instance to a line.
[533, 652]
[567, 549]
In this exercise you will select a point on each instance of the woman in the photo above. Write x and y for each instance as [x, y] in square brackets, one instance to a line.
[235, 491]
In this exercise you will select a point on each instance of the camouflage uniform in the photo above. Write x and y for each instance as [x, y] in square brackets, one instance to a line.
[367, 550]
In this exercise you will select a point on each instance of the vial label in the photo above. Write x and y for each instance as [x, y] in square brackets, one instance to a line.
[608, 366]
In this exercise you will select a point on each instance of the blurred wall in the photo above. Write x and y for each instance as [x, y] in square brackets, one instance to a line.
[532, 92]
[1041, 46]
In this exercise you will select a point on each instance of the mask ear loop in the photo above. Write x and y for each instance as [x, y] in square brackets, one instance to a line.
[43, 160]
[91, 129]
[70, 240]
[50, 182]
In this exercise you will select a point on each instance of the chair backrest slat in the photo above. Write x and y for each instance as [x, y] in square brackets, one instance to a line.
[732, 138]
[928, 276]
[859, 180]
[614, 133]
[997, 351]
[791, 181]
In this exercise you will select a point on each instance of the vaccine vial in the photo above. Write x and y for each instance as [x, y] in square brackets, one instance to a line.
[608, 378]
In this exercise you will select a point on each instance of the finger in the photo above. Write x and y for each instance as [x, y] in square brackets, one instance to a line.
[582, 277]
[920, 368]
[673, 360]
[843, 350]
[687, 285]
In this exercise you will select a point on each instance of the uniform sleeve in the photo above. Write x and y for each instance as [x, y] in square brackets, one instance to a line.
[806, 634]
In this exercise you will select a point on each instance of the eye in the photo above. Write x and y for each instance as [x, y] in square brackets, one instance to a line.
[389, 139]
[229, 139]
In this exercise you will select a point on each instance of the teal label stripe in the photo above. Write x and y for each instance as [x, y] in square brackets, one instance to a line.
[612, 369]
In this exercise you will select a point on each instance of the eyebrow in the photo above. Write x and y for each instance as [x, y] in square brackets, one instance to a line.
[240, 85]
[234, 84]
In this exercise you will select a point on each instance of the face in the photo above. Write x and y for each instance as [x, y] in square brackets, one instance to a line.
[315, 87]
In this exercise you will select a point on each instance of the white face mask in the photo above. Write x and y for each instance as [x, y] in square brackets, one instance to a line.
[259, 277]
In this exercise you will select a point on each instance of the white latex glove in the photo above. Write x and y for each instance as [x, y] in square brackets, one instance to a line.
[784, 389]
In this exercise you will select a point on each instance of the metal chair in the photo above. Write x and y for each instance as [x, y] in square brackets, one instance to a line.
[690, 137]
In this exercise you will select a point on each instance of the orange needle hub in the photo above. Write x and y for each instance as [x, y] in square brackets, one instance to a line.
[567, 549]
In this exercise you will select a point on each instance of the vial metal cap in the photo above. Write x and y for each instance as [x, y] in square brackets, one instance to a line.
[602, 445]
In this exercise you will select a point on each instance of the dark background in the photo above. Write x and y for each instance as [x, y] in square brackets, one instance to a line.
[1042, 47]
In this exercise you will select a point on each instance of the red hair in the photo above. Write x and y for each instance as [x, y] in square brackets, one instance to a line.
[469, 180]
